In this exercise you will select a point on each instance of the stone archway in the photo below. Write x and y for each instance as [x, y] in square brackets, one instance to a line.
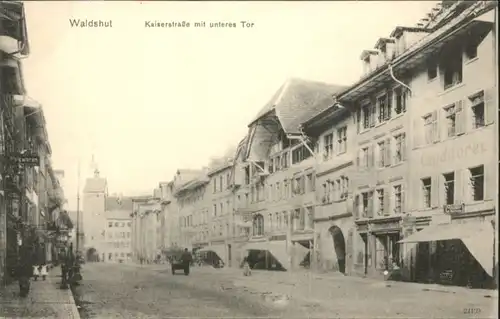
[339, 246]
[92, 255]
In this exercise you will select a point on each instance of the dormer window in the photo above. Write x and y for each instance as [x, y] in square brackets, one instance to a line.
[369, 58]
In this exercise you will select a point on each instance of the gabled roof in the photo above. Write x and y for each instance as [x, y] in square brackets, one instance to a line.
[95, 185]
[297, 100]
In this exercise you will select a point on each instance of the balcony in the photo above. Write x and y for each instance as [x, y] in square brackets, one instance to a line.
[13, 31]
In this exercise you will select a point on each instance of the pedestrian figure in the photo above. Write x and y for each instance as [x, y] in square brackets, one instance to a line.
[43, 271]
[246, 267]
[186, 260]
[24, 269]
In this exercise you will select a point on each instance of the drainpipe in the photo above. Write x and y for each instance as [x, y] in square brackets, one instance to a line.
[495, 81]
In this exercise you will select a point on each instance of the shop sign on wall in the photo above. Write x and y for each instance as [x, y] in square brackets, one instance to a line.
[455, 209]
[451, 154]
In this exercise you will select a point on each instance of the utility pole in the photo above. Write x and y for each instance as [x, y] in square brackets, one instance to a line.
[78, 210]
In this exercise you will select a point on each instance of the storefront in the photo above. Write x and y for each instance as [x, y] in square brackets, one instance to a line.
[214, 253]
[459, 253]
[376, 247]
[273, 254]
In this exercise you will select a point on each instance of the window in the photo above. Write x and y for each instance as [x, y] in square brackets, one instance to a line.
[310, 182]
[10, 82]
[222, 208]
[477, 102]
[398, 199]
[449, 188]
[451, 120]
[367, 116]
[299, 154]
[366, 204]
[432, 69]
[452, 68]
[380, 202]
[300, 213]
[129, 224]
[364, 157]
[228, 180]
[215, 185]
[247, 175]
[277, 163]
[384, 112]
[477, 183]
[285, 219]
[278, 191]
[258, 225]
[110, 224]
[270, 166]
[310, 217]
[215, 209]
[399, 155]
[400, 106]
[428, 128]
[221, 183]
[117, 224]
[471, 49]
[284, 160]
[328, 142]
[342, 140]
[343, 187]
[381, 154]
[277, 221]
[426, 190]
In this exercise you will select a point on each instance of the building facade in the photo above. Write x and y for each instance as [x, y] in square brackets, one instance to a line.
[145, 221]
[279, 177]
[335, 133]
[29, 192]
[118, 237]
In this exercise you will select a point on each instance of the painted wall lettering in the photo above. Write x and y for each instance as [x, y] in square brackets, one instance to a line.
[450, 154]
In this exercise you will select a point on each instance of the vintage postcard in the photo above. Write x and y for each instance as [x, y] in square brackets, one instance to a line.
[249, 159]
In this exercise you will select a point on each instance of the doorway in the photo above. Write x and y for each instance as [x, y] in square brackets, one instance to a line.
[339, 246]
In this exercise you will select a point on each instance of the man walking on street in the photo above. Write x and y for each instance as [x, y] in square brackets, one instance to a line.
[25, 269]
[186, 260]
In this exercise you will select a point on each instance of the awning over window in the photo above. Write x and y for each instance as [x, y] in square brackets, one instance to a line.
[477, 237]
[275, 248]
[219, 250]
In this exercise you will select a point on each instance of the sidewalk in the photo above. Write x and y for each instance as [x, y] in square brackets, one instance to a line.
[45, 300]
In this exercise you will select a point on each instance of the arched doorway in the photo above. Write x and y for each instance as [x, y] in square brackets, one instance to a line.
[339, 246]
[92, 255]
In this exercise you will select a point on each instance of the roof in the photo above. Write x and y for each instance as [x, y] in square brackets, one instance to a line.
[119, 203]
[459, 19]
[400, 29]
[118, 214]
[383, 40]
[95, 185]
[192, 184]
[297, 100]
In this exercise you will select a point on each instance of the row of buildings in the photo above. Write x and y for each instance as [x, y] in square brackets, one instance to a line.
[398, 170]
[31, 199]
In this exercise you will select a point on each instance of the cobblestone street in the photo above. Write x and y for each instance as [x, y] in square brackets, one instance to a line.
[133, 291]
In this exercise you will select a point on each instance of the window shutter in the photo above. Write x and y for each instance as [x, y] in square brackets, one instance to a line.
[388, 152]
[436, 134]
[417, 132]
[459, 187]
[358, 119]
[371, 156]
[403, 147]
[387, 203]
[389, 104]
[434, 188]
[460, 118]
[403, 199]
[490, 109]
[373, 113]
[356, 207]
[370, 205]
[440, 190]
[490, 181]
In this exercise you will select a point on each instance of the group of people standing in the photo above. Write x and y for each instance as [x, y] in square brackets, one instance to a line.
[32, 263]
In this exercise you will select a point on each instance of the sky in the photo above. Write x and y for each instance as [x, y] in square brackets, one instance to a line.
[148, 101]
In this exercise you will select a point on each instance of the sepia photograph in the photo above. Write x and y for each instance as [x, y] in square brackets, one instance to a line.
[249, 159]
